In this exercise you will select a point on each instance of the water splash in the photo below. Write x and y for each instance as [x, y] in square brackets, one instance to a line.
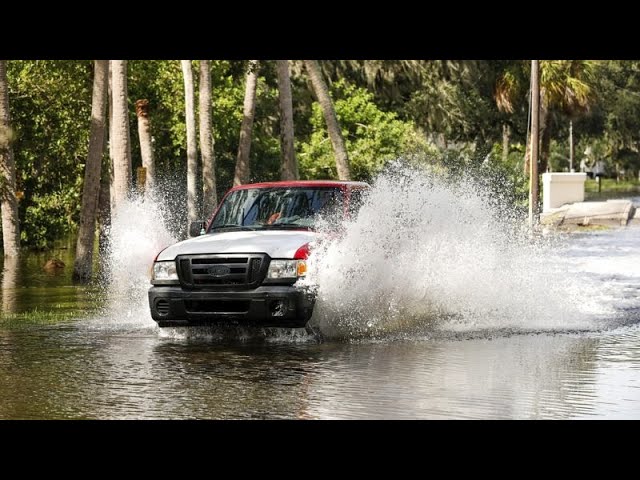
[140, 229]
[426, 255]
[234, 333]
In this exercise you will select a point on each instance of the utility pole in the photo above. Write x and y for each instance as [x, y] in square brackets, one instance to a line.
[535, 123]
[571, 145]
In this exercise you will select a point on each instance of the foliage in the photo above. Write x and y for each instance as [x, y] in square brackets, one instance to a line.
[161, 82]
[50, 105]
[387, 109]
[372, 136]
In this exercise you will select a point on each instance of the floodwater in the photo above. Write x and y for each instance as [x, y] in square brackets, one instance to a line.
[503, 362]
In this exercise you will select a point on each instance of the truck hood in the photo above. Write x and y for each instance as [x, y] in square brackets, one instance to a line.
[275, 243]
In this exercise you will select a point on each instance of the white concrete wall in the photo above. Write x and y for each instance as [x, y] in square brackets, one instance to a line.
[561, 188]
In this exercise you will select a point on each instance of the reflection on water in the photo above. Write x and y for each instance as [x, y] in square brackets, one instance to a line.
[80, 372]
[28, 284]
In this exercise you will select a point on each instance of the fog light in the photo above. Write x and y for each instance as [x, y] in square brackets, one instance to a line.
[278, 308]
[162, 306]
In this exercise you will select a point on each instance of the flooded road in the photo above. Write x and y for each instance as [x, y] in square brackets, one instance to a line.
[83, 373]
[486, 358]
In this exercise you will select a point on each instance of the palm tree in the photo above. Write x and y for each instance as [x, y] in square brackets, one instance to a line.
[206, 141]
[146, 146]
[243, 168]
[192, 153]
[86, 234]
[121, 138]
[565, 87]
[333, 127]
[289, 163]
[8, 198]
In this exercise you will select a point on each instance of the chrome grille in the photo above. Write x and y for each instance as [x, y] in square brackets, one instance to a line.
[222, 271]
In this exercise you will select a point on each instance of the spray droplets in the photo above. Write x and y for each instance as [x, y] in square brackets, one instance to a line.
[137, 234]
[426, 254]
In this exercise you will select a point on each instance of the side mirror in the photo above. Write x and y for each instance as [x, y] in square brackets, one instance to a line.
[197, 228]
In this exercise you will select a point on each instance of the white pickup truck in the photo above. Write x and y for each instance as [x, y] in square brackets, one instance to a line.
[241, 267]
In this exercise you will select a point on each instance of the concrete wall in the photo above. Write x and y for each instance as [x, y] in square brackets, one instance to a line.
[561, 188]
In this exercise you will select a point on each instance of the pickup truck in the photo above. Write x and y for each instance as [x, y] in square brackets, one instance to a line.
[241, 266]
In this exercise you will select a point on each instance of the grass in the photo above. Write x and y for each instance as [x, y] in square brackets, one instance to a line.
[38, 317]
[583, 228]
[610, 188]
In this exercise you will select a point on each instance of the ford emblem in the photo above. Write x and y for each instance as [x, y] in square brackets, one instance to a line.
[219, 271]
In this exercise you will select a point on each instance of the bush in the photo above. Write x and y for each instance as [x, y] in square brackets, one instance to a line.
[372, 137]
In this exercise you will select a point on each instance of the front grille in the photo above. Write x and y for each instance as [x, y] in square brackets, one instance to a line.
[217, 306]
[218, 271]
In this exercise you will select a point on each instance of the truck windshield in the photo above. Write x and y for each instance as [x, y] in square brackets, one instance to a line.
[278, 208]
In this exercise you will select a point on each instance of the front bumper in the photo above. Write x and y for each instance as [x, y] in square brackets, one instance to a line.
[267, 306]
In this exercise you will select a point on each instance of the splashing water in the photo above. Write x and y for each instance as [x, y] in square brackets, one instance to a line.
[137, 233]
[425, 254]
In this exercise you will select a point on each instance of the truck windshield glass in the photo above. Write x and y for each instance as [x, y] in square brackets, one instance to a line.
[273, 208]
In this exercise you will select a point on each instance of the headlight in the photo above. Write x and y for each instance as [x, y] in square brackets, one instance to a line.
[164, 272]
[286, 269]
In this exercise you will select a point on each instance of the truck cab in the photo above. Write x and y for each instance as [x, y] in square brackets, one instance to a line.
[241, 266]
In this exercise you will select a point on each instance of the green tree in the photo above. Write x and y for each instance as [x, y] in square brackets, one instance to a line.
[333, 126]
[566, 90]
[51, 102]
[372, 136]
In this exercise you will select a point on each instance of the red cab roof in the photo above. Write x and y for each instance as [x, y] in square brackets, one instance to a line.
[302, 183]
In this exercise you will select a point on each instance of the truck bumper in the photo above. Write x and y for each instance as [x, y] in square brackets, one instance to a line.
[267, 306]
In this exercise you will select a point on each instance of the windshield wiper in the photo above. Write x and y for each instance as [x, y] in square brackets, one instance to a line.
[286, 225]
[232, 225]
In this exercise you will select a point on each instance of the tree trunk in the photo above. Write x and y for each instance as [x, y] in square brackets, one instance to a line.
[146, 146]
[121, 140]
[192, 152]
[8, 198]
[82, 267]
[506, 135]
[289, 162]
[209, 193]
[10, 270]
[243, 170]
[112, 187]
[545, 134]
[536, 97]
[527, 157]
[335, 134]
[571, 147]
[104, 207]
